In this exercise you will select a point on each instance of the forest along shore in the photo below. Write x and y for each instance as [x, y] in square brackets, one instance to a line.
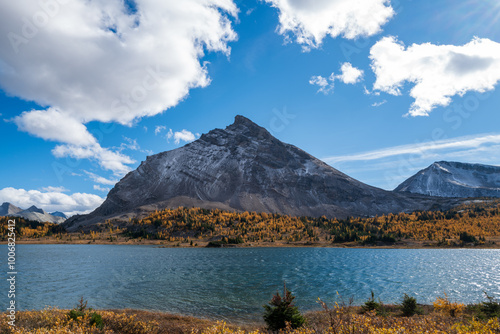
[476, 224]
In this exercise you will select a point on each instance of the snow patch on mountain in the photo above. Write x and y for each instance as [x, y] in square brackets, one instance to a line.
[455, 179]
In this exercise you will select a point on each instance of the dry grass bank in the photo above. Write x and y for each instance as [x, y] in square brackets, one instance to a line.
[331, 320]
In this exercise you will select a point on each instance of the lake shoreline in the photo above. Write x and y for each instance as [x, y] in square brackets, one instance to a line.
[329, 319]
[407, 244]
[233, 285]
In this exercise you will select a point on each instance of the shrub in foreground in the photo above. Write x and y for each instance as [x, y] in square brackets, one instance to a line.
[371, 304]
[409, 306]
[490, 308]
[443, 305]
[281, 312]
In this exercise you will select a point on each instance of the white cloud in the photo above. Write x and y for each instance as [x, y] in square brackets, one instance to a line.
[76, 203]
[89, 61]
[378, 104]
[438, 72]
[324, 86]
[348, 75]
[99, 188]
[388, 167]
[423, 149]
[312, 21]
[107, 159]
[93, 60]
[52, 124]
[170, 134]
[100, 179]
[55, 189]
[184, 135]
[130, 144]
[159, 128]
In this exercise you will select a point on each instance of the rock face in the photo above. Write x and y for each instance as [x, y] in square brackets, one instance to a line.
[8, 209]
[243, 167]
[455, 179]
[59, 214]
[32, 213]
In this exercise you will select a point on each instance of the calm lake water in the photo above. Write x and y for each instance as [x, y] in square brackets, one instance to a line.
[233, 284]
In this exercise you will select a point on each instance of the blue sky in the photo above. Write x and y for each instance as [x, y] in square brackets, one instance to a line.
[379, 90]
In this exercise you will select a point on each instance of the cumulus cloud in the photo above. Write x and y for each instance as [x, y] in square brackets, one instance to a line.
[312, 21]
[52, 124]
[348, 75]
[86, 61]
[106, 158]
[183, 135]
[438, 72]
[76, 203]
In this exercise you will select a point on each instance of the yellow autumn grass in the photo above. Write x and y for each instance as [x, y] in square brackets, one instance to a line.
[442, 318]
[369, 324]
[55, 321]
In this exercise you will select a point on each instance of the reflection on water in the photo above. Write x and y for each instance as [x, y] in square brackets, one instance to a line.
[233, 283]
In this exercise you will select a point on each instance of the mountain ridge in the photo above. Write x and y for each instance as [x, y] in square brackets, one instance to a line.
[7, 209]
[32, 213]
[454, 179]
[243, 167]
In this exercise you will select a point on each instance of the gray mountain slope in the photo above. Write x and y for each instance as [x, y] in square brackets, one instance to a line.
[59, 214]
[32, 213]
[243, 167]
[7, 209]
[455, 179]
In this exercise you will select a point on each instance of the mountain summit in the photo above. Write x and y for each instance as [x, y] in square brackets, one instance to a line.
[32, 213]
[7, 209]
[455, 179]
[243, 167]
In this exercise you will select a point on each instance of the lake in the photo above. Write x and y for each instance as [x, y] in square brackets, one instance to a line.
[234, 283]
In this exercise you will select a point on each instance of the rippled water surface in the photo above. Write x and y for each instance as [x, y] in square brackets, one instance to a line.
[234, 283]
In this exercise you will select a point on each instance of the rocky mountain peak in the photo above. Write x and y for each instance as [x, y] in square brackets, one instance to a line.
[243, 167]
[245, 126]
[242, 120]
[455, 179]
[34, 209]
[8, 209]
[243, 132]
[32, 213]
[59, 214]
